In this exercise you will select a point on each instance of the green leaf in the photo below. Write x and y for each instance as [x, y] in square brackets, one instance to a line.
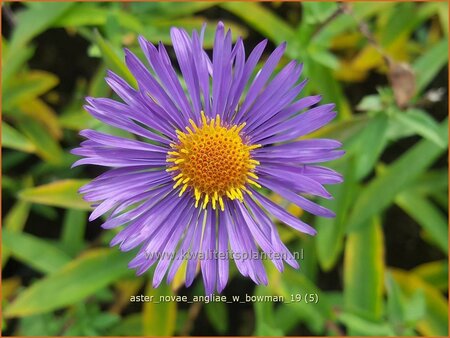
[14, 222]
[323, 80]
[62, 193]
[113, 61]
[330, 232]
[261, 19]
[430, 182]
[11, 138]
[169, 10]
[264, 316]
[217, 313]
[443, 17]
[427, 215]
[435, 321]
[46, 146]
[365, 327]
[394, 179]
[430, 63]
[128, 326]
[15, 63]
[403, 312]
[31, 22]
[33, 251]
[77, 280]
[90, 14]
[434, 273]
[159, 318]
[343, 130]
[74, 226]
[293, 282]
[399, 23]
[364, 272]
[47, 324]
[159, 30]
[421, 123]
[361, 11]
[317, 12]
[323, 57]
[370, 103]
[27, 86]
[368, 145]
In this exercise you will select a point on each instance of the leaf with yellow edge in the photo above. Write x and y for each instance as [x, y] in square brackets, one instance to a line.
[77, 280]
[46, 147]
[159, 317]
[435, 322]
[62, 193]
[12, 138]
[434, 273]
[125, 289]
[15, 220]
[38, 253]
[26, 87]
[43, 113]
[364, 271]
[9, 287]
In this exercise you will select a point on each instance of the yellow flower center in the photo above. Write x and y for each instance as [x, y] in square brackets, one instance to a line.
[213, 161]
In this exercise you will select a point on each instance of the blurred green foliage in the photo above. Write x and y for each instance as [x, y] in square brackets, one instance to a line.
[78, 286]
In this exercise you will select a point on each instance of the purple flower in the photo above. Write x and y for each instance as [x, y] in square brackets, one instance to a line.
[188, 186]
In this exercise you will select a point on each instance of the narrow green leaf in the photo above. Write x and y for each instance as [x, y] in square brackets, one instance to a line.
[264, 316]
[46, 146]
[33, 21]
[14, 222]
[394, 179]
[170, 10]
[129, 326]
[113, 61]
[343, 130]
[12, 138]
[74, 226]
[368, 145]
[33, 251]
[77, 280]
[59, 194]
[361, 11]
[399, 23]
[90, 14]
[443, 17]
[430, 183]
[27, 86]
[364, 272]
[434, 273]
[15, 64]
[217, 313]
[158, 317]
[261, 19]
[159, 30]
[421, 123]
[331, 231]
[430, 63]
[293, 283]
[428, 216]
[435, 322]
[317, 12]
[366, 327]
[324, 81]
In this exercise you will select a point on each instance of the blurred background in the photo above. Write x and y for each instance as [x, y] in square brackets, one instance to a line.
[379, 268]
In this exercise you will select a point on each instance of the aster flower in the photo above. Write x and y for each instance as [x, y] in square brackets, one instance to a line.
[189, 184]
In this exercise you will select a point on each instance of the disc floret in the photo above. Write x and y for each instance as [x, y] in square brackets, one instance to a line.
[213, 161]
